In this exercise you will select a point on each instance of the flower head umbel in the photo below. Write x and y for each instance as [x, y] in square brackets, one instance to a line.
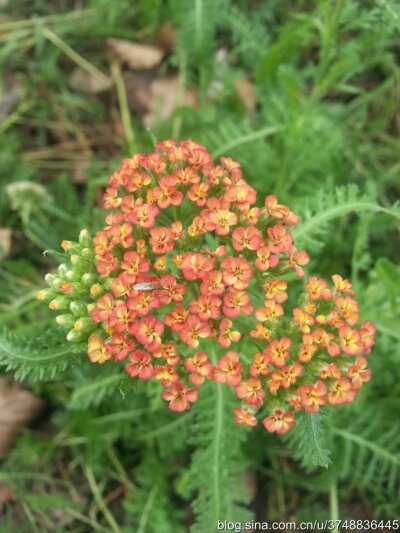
[186, 284]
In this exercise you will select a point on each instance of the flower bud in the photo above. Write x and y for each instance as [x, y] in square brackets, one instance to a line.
[96, 289]
[66, 321]
[85, 324]
[61, 302]
[88, 279]
[62, 269]
[46, 294]
[88, 253]
[85, 238]
[78, 309]
[75, 335]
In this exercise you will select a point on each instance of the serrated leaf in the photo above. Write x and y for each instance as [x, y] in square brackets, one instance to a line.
[40, 358]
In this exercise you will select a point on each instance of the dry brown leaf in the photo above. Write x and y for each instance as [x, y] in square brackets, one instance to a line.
[18, 407]
[245, 90]
[6, 495]
[135, 56]
[5, 242]
[137, 87]
[81, 80]
[164, 98]
[166, 38]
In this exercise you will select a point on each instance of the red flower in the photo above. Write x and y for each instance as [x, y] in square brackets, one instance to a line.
[140, 365]
[179, 397]
[280, 422]
[229, 370]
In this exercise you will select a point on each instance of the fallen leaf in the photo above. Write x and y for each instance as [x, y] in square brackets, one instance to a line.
[164, 98]
[6, 495]
[18, 407]
[166, 38]
[137, 87]
[5, 242]
[245, 90]
[135, 56]
[81, 80]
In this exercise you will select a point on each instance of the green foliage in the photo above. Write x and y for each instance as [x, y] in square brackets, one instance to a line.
[323, 138]
[218, 462]
[308, 440]
[40, 358]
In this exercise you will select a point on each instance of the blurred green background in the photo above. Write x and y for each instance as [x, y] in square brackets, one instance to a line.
[305, 95]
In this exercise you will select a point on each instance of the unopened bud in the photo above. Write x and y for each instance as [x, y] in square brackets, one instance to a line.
[61, 302]
[84, 324]
[66, 321]
[78, 309]
[75, 335]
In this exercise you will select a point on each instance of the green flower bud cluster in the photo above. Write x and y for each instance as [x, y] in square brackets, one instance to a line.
[74, 288]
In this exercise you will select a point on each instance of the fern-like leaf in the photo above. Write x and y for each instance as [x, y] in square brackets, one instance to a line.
[39, 358]
[341, 202]
[90, 390]
[368, 453]
[218, 462]
[307, 439]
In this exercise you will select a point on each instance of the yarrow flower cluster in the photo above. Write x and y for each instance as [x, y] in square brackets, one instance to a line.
[188, 274]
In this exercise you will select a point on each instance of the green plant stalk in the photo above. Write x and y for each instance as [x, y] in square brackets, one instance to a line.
[17, 114]
[74, 56]
[334, 504]
[123, 106]
[26, 23]
[100, 501]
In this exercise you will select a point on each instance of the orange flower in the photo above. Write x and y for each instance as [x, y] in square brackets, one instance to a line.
[144, 215]
[358, 373]
[179, 397]
[98, 350]
[192, 330]
[281, 239]
[148, 331]
[166, 194]
[244, 418]
[237, 272]
[140, 365]
[161, 240]
[166, 375]
[279, 422]
[307, 348]
[251, 392]
[350, 341]
[331, 371]
[278, 350]
[348, 308]
[195, 266]
[342, 285]
[200, 368]
[260, 364]
[317, 288]
[312, 396]
[236, 302]
[271, 311]
[134, 265]
[229, 370]
[287, 375]
[260, 332]
[104, 307]
[341, 391]
[226, 335]
[246, 238]
[275, 289]
[206, 307]
[212, 283]
[265, 260]
[304, 320]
